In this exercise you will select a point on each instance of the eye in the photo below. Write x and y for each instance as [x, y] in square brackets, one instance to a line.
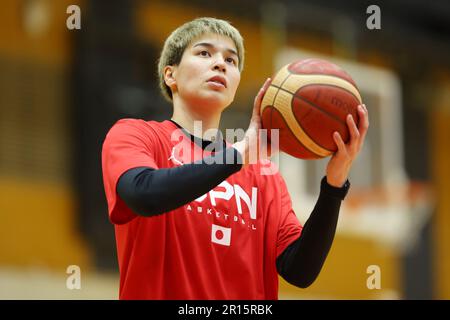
[231, 60]
[204, 53]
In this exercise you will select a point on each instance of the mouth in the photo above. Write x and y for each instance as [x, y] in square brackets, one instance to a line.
[218, 80]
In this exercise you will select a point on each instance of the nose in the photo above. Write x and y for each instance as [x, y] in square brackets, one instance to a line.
[219, 64]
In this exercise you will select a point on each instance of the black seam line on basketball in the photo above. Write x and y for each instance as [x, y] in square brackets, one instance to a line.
[306, 133]
[314, 105]
[320, 109]
[279, 88]
[305, 147]
[322, 74]
[273, 103]
[321, 84]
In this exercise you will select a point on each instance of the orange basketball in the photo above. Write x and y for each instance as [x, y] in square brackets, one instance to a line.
[307, 101]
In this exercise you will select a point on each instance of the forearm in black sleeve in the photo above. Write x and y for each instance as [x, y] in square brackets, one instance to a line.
[150, 192]
[300, 263]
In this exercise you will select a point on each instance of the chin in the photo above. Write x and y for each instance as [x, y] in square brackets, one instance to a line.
[213, 101]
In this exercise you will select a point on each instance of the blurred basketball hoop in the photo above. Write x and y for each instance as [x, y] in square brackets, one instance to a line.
[383, 204]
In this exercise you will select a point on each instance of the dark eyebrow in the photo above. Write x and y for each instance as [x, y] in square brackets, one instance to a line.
[209, 45]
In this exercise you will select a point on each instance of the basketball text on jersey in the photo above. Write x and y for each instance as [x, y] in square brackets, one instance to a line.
[220, 234]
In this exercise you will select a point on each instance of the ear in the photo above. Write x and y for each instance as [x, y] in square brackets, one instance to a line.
[169, 77]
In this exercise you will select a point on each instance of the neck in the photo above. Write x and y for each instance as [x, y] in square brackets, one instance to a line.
[199, 123]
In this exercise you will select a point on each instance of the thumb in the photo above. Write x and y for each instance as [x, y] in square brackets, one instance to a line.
[259, 98]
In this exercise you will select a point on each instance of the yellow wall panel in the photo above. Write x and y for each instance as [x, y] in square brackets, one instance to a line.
[440, 137]
[344, 275]
[38, 225]
[38, 34]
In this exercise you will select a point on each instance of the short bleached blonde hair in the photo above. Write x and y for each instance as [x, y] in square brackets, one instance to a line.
[182, 37]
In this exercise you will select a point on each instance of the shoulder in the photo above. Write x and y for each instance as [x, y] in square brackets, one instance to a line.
[127, 134]
[125, 125]
[130, 123]
[139, 128]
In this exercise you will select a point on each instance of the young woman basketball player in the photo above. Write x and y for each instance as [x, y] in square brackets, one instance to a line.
[210, 229]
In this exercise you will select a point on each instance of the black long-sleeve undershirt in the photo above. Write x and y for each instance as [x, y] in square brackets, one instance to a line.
[148, 192]
[300, 263]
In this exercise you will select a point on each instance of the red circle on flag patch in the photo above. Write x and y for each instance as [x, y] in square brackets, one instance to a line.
[219, 234]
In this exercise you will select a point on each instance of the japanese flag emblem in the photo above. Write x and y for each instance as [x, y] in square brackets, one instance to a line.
[221, 235]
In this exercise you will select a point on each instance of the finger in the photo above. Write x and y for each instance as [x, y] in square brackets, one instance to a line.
[339, 142]
[365, 118]
[363, 123]
[354, 132]
[259, 97]
[266, 85]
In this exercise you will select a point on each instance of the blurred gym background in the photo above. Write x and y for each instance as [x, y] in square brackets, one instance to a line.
[61, 90]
